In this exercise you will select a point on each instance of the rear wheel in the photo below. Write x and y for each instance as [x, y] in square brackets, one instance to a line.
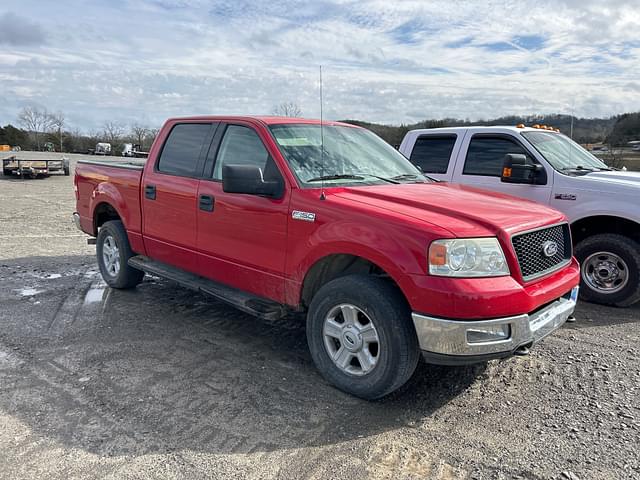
[6, 172]
[361, 337]
[113, 252]
[609, 269]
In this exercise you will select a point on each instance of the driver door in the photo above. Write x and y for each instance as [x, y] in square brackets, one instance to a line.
[241, 238]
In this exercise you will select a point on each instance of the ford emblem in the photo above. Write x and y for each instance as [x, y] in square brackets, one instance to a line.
[549, 248]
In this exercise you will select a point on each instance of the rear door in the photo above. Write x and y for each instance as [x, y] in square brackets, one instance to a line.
[480, 164]
[434, 154]
[242, 238]
[169, 192]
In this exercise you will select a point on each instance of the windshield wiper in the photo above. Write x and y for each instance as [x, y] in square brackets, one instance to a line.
[350, 176]
[578, 168]
[343, 176]
[411, 176]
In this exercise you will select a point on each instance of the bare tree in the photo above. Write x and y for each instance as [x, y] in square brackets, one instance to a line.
[139, 134]
[287, 109]
[112, 132]
[57, 123]
[35, 121]
[152, 133]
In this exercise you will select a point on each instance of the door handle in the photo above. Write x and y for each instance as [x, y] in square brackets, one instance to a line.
[206, 203]
[150, 192]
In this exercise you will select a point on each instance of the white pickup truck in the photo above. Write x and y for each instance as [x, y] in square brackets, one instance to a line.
[540, 164]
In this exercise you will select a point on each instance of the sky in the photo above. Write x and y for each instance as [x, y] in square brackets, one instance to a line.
[139, 62]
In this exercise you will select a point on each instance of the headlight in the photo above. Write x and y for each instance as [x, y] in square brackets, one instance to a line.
[467, 257]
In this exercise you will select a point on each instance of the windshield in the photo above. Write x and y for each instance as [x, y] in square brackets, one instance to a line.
[563, 153]
[351, 156]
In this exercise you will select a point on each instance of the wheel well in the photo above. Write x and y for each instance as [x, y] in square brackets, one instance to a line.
[581, 229]
[335, 266]
[103, 213]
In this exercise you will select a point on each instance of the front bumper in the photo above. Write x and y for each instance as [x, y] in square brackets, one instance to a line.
[456, 342]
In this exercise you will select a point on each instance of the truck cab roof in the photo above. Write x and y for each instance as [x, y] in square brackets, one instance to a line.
[264, 119]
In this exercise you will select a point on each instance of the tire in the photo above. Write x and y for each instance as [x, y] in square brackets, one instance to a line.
[66, 169]
[374, 300]
[6, 172]
[618, 259]
[112, 234]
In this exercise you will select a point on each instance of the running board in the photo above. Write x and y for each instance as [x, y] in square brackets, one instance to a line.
[258, 306]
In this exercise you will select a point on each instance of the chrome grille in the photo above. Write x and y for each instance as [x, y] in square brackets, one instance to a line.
[530, 250]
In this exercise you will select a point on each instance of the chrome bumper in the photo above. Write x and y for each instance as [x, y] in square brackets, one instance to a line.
[468, 341]
[76, 220]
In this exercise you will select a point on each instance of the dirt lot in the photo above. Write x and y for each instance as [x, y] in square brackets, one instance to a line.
[160, 382]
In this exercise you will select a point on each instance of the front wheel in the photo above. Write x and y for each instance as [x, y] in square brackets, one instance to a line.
[609, 269]
[361, 337]
[113, 252]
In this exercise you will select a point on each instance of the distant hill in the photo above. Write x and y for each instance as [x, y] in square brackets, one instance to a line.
[585, 130]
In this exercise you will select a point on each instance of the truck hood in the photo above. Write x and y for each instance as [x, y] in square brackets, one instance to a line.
[462, 210]
[629, 182]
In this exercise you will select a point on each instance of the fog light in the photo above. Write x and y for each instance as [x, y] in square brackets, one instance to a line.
[489, 333]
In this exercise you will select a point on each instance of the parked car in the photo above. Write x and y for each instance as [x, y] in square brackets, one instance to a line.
[548, 167]
[280, 216]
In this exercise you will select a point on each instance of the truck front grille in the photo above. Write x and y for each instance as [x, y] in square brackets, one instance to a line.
[535, 250]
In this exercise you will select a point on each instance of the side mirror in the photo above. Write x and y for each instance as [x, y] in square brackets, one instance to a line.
[517, 168]
[248, 179]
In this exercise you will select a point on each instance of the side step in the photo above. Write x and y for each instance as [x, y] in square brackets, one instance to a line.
[258, 306]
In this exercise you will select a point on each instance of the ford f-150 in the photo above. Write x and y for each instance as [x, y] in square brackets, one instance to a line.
[280, 216]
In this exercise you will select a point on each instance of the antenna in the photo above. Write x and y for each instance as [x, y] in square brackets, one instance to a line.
[322, 195]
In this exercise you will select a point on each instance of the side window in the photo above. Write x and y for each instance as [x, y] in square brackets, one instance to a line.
[241, 146]
[485, 155]
[432, 154]
[181, 151]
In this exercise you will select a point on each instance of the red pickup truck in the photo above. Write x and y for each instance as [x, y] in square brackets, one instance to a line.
[280, 216]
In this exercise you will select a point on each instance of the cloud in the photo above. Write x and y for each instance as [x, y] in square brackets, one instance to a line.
[135, 60]
[19, 31]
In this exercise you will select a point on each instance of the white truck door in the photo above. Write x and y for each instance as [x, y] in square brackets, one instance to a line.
[480, 163]
[434, 152]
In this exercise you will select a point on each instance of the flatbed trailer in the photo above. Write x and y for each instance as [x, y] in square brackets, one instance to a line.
[30, 168]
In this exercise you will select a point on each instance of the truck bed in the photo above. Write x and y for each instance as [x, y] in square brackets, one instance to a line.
[116, 182]
[131, 163]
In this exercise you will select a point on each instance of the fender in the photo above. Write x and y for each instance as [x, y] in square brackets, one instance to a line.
[128, 212]
[364, 241]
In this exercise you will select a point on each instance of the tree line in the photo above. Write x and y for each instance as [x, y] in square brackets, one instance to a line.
[44, 130]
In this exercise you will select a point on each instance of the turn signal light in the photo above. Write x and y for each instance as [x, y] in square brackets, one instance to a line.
[506, 172]
[437, 254]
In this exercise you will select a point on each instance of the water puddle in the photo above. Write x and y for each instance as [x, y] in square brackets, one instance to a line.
[95, 292]
[28, 292]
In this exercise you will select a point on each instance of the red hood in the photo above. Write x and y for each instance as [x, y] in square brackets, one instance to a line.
[464, 211]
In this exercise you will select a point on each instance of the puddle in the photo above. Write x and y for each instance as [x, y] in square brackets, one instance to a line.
[95, 292]
[28, 292]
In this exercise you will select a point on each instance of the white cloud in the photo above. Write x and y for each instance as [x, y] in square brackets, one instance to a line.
[383, 61]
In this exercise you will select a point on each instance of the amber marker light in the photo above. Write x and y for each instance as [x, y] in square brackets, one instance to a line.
[437, 254]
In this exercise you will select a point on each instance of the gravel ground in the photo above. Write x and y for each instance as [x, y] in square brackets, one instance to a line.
[160, 382]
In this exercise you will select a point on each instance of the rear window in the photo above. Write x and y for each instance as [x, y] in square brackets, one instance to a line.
[432, 153]
[485, 155]
[181, 151]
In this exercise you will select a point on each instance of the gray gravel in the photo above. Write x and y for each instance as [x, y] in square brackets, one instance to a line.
[160, 382]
